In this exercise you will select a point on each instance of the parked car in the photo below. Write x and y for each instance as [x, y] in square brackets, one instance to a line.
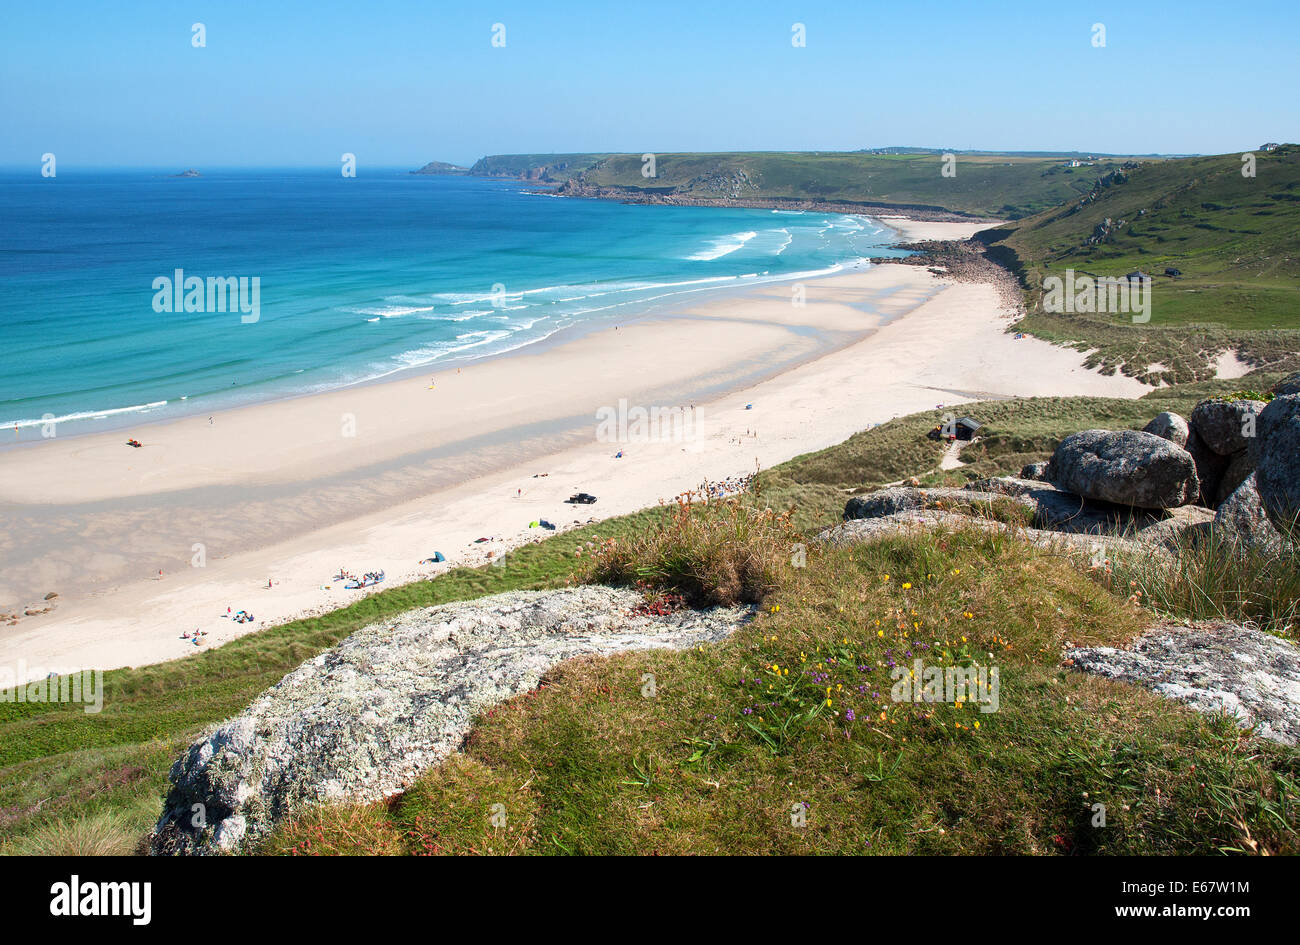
[582, 498]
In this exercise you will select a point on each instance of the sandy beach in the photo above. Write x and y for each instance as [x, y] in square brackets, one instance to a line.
[380, 477]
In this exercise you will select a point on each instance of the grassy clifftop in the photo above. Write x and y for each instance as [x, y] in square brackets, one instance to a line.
[1003, 185]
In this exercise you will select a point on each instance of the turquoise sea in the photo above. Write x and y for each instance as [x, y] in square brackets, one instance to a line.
[357, 278]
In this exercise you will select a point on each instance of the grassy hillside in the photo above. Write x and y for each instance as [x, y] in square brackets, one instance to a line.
[587, 766]
[793, 714]
[1234, 239]
[1008, 186]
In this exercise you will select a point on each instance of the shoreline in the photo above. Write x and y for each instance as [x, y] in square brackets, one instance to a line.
[927, 339]
[119, 420]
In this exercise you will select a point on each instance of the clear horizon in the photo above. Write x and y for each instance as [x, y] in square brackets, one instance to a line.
[331, 168]
[400, 85]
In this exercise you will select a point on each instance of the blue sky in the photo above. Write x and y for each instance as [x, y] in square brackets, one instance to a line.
[398, 83]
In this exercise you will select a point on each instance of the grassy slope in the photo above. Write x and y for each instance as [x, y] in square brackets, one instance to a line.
[1236, 241]
[740, 732]
[985, 184]
[66, 776]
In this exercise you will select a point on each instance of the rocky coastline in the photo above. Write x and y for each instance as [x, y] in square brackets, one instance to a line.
[671, 197]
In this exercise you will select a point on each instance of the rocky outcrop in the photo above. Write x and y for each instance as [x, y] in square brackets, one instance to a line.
[1276, 451]
[1241, 517]
[903, 498]
[1240, 465]
[363, 720]
[1036, 472]
[1225, 425]
[1065, 512]
[863, 530]
[1126, 467]
[1048, 509]
[1225, 667]
[1169, 426]
[1288, 385]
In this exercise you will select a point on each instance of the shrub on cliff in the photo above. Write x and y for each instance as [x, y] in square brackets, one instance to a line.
[712, 552]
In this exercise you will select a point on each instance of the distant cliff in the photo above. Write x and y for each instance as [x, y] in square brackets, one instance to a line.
[542, 168]
[968, 184]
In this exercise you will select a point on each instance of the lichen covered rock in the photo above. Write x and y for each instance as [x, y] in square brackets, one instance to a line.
[1225, 667]
[1169, 426]
[1241, 517]
[1126, 467]
[363, 720]
[1225, 426]
[1276, 450]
